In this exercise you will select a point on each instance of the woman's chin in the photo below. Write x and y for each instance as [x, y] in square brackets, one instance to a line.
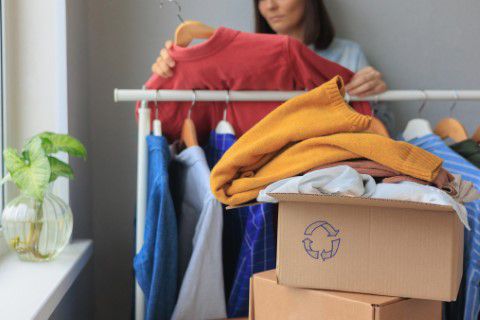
[279, 28]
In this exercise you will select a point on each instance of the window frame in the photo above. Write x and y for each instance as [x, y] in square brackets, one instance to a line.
[2, 103]
[3, 245]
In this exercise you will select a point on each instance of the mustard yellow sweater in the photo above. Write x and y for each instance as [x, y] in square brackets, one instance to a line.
[310, 130]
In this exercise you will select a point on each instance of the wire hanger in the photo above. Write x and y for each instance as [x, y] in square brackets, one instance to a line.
[224, 127]
[451, 127]
[419, 127]
[157, 124]
[179, 15]
[189, 133]
[189, 30]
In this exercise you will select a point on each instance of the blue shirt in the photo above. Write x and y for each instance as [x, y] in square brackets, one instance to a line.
[454, 163]
[156, 263]
[249, 239]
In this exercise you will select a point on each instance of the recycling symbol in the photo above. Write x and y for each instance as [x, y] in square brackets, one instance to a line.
[330, 233]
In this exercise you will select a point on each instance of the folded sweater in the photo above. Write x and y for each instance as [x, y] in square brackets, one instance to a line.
[444, 180]
[305, 132]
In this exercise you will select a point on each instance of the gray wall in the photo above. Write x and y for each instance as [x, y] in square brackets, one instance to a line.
[78, 303]
[417, 44]
[125, 37]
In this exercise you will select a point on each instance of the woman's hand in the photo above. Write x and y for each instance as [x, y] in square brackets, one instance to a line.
[164, 64]
[366, 82]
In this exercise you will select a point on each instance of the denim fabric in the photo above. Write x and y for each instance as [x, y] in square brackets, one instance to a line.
[156, 263]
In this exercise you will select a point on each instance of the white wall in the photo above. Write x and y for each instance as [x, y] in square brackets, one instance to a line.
[426, 44]
[42, 93]
[35, 73]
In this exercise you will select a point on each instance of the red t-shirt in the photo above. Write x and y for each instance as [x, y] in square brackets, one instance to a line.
[235, 60]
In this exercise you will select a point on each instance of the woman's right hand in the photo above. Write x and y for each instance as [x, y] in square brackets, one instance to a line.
[164, 64]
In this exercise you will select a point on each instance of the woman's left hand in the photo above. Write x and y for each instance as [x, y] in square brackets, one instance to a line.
[366, 82]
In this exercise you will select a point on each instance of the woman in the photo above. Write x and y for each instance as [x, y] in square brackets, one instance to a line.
[309, 22]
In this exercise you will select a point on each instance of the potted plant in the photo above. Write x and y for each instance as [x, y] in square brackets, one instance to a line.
[37, 224]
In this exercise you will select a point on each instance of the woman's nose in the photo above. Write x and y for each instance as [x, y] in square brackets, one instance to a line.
[272, 4]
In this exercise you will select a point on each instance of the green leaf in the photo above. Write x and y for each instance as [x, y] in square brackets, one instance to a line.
[32, 176]
[12, 160]
[63, 142]
[59, 169]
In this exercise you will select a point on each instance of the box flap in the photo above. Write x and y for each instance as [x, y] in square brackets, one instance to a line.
[345, 200]
[368, 299]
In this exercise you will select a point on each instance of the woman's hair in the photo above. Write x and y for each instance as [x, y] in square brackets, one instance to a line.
[318, 25]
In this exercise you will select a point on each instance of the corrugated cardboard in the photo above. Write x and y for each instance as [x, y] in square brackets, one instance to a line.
[271, 301]
[384, 247]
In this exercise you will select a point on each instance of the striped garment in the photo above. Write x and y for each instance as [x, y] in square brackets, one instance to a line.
[454, 163]
[249, 244]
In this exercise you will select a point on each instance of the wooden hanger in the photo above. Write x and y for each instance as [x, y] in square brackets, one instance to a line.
[476, 135]
[377, 126]
[189, 30]
[451, 128]
[157, 124]
[189, 133]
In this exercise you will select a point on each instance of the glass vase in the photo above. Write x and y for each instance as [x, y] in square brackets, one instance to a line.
[37, 230]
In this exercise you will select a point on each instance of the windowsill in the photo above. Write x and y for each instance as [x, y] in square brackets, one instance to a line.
[33, 290]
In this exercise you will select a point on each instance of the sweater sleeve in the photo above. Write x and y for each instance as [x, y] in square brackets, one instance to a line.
[311, 70]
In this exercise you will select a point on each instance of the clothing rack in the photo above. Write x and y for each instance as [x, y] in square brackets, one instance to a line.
[123, 95]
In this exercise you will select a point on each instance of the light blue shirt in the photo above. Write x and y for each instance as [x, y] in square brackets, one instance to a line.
[200, 227]
[346, 53]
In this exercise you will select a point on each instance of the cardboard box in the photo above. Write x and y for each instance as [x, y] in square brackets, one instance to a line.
[384, 247]
[271, 301]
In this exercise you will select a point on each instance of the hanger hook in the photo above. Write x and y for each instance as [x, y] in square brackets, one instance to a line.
[194, 100]
[457, 97]
[156, 106]
[424, 103]
[162, 4]
[227, 102]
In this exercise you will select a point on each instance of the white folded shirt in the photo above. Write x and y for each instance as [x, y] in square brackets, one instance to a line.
[345, 181]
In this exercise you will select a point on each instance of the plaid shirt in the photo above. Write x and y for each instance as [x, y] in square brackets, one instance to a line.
[454, 163]
[249, 239]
